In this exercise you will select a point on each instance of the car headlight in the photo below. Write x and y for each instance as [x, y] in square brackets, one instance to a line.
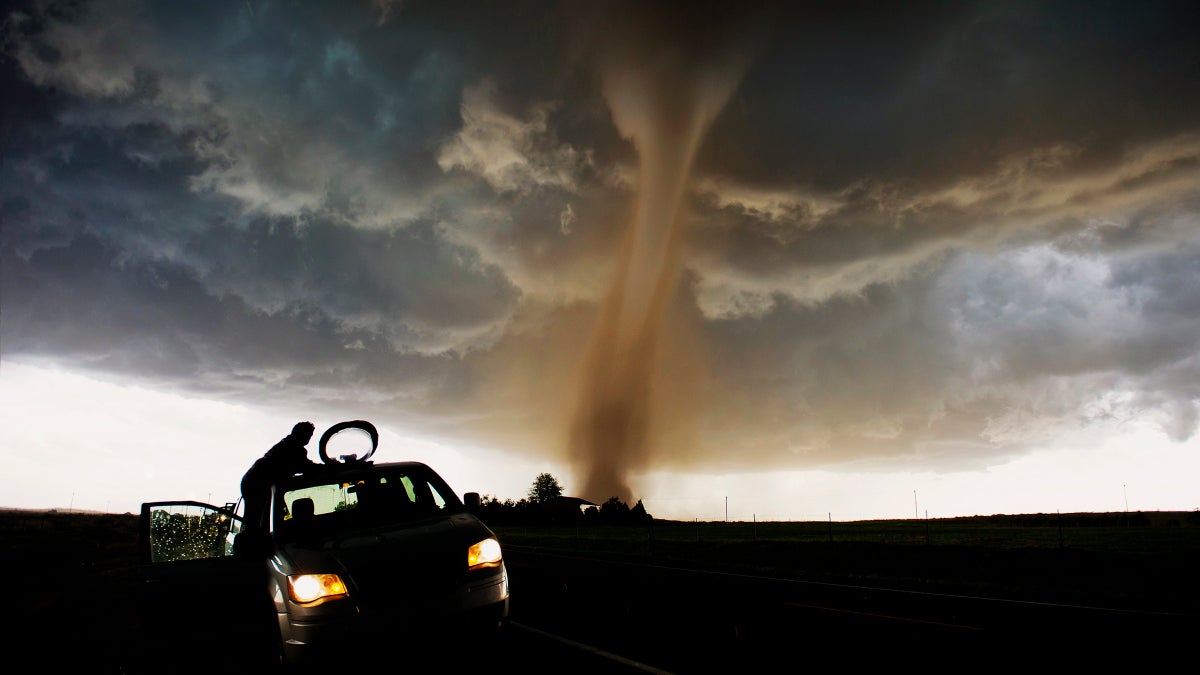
[484, 554]
[312, 587]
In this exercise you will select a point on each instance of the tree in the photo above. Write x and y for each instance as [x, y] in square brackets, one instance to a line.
[545, 487]
[614, 511]
[638, 514]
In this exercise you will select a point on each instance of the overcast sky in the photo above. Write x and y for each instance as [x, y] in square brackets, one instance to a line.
[895, 249]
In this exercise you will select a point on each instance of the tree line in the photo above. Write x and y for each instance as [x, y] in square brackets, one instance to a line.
[546, 505]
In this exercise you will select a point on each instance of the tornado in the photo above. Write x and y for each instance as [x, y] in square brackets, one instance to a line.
[664, 93]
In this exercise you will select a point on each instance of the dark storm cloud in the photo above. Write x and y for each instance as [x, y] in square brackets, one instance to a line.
[933, 91]
[88, 304]
[993, 354]
[291, 100]
[933, 233]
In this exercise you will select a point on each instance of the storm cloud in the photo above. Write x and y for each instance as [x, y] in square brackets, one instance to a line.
[933, 235]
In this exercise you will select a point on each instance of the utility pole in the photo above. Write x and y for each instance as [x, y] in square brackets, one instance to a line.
[916, 513]
[727, 508]
[1126, 497]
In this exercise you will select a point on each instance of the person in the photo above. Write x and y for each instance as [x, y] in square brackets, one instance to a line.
[285, 458]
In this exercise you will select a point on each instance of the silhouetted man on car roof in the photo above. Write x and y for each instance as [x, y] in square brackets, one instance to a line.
[286, 458]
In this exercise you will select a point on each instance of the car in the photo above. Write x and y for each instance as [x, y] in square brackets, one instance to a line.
[353, 556]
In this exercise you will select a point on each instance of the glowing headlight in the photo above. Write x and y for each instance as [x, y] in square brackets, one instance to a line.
[313, 587]
[484, 554]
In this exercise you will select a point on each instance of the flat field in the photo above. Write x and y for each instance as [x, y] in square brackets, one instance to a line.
[1121, 560]
[73, 582]
[73, 576]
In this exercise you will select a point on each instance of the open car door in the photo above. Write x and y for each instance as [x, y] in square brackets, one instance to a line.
[194, 592]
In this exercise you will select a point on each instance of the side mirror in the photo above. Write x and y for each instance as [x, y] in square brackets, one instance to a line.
[471, 499]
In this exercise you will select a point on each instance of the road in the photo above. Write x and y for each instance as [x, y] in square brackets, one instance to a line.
[669, 619]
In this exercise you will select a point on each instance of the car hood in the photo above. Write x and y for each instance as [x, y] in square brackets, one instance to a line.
[425, 556]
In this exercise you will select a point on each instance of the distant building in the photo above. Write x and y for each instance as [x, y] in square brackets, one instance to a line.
[567, 509]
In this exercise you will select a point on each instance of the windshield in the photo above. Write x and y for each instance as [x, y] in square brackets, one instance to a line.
[377, 498]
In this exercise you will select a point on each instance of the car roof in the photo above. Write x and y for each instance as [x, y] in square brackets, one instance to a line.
[352, 469]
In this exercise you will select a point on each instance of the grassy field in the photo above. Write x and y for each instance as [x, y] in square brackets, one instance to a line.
[73, 583]
[77, 573]
[1142, 560]
[1144, 533]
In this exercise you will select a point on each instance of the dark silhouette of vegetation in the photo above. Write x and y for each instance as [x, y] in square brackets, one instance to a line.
[546, 505]
[1115, 519]
[616, 512]
[507, 512]
[545, 487]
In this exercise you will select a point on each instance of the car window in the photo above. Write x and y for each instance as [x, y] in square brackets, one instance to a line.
[326, 498]
[190, 532]
[369, 500]
[439, 502]
[424, 494]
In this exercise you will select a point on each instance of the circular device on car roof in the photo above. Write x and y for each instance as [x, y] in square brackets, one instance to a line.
[332, 431]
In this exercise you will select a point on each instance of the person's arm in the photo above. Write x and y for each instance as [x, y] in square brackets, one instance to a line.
[296, 460]
[305, 463]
